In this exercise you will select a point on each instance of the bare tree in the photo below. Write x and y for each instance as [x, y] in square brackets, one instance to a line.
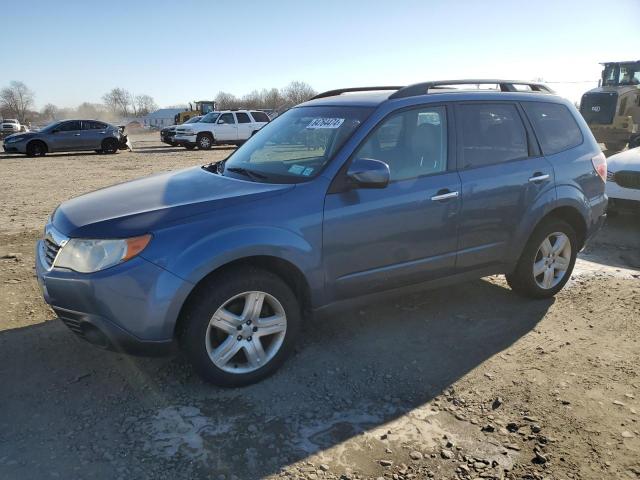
[226, 100]
[17, 98]
[144, 104]
[118, 101]
[50, 112]
[297, 92]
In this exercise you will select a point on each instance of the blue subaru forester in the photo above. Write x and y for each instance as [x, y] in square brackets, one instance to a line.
[357, 192]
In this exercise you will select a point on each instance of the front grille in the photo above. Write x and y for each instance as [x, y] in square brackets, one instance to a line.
[628, 179]
[599, 107]
[50, 251]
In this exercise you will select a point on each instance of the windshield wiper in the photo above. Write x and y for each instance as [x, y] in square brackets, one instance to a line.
[246, 172]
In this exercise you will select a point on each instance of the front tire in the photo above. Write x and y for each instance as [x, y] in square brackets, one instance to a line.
[204, 141]
[546, 262]
[36, 149]
[240, 326]
[109, 145]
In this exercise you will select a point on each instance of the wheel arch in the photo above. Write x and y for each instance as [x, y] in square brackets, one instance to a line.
[38, 140]
[291, 274]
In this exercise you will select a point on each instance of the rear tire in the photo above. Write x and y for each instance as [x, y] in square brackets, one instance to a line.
[634, 141]
[544, 268]
[109, 145]
[221, 331]
[204, 141]
[614, 146]
[36, 148]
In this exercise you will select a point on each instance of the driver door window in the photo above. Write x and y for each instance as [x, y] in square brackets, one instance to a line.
[413, 143]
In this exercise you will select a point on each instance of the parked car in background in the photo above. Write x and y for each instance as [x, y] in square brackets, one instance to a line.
[224, 127]
[167, 134]
[69, 136]
[9, 126]
[623, 180]
[347, 196]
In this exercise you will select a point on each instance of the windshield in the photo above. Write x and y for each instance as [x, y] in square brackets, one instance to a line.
[193, 120]
[626, 74]
[51, 125]
[297, 145]
[210, 117]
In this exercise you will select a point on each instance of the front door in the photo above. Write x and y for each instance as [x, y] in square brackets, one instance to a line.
[503, 174]
[67, 136]
[226, 128]
[378, 239]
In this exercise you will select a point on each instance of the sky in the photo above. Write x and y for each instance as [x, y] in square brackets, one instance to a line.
[74, 51]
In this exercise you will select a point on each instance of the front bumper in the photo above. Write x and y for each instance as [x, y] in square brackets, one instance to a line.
[185, 139]
[131, 307]
[18, 147]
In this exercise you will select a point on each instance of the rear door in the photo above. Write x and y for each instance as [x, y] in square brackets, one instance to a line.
[67, 136]
[93, 133]
[226, 128]
[245, 125]
[503, 175]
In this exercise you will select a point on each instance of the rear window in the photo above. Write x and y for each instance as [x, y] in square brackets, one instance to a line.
[260, 116]
[91, 125]
[554, 126]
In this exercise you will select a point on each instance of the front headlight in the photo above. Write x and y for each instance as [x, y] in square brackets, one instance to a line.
[87, 256]
[14, 139]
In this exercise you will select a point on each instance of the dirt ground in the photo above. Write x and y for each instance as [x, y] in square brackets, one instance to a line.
[463, 382]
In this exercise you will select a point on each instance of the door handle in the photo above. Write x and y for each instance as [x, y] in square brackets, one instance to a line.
[444, 195]
[539, 177]
[76, 134]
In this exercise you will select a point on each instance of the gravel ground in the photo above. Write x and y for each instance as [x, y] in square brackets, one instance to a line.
[463, 382]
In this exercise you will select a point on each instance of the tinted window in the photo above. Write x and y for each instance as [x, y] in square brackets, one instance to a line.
[91, 125]
[210, 117]
[490, 133]
[260, 116]
[554, 125]
[243, 117]
[227, 118]
[413, 143]
[69, 126]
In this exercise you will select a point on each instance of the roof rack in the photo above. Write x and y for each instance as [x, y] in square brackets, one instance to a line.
[505, 86]
[339, 91]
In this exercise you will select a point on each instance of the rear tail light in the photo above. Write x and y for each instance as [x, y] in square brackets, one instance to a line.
[600, 165]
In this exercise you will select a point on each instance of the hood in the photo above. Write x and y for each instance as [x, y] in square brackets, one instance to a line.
[24, 135]
[150, 203]
[627, 160]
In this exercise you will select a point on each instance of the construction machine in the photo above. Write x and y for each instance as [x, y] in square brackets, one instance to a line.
[613, 109]
[202, 107]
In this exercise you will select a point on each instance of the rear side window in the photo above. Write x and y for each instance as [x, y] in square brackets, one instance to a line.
[490, 134]
[91, 125]
[260, 116]
[243, 117]
[554, 126]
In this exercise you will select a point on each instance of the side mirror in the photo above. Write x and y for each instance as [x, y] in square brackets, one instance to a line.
[221, 122]
[368, 173]
[55, 130]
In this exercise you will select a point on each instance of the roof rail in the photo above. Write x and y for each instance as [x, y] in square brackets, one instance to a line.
[505, 86]
[339, 91]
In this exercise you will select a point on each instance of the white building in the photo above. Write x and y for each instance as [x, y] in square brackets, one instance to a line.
[162, 117]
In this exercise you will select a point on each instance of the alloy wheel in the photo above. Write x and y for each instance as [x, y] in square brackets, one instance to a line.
[246, 332]
[552, 260]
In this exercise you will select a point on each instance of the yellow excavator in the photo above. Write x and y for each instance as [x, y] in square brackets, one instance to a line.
[202, 107]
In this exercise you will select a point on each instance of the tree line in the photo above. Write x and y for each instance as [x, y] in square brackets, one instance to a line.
[17, 100]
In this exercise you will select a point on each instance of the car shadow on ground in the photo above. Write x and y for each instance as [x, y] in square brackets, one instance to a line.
[103, 414]
[617, 245]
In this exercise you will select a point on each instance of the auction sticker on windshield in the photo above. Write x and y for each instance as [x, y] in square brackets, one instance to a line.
[326, 123]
